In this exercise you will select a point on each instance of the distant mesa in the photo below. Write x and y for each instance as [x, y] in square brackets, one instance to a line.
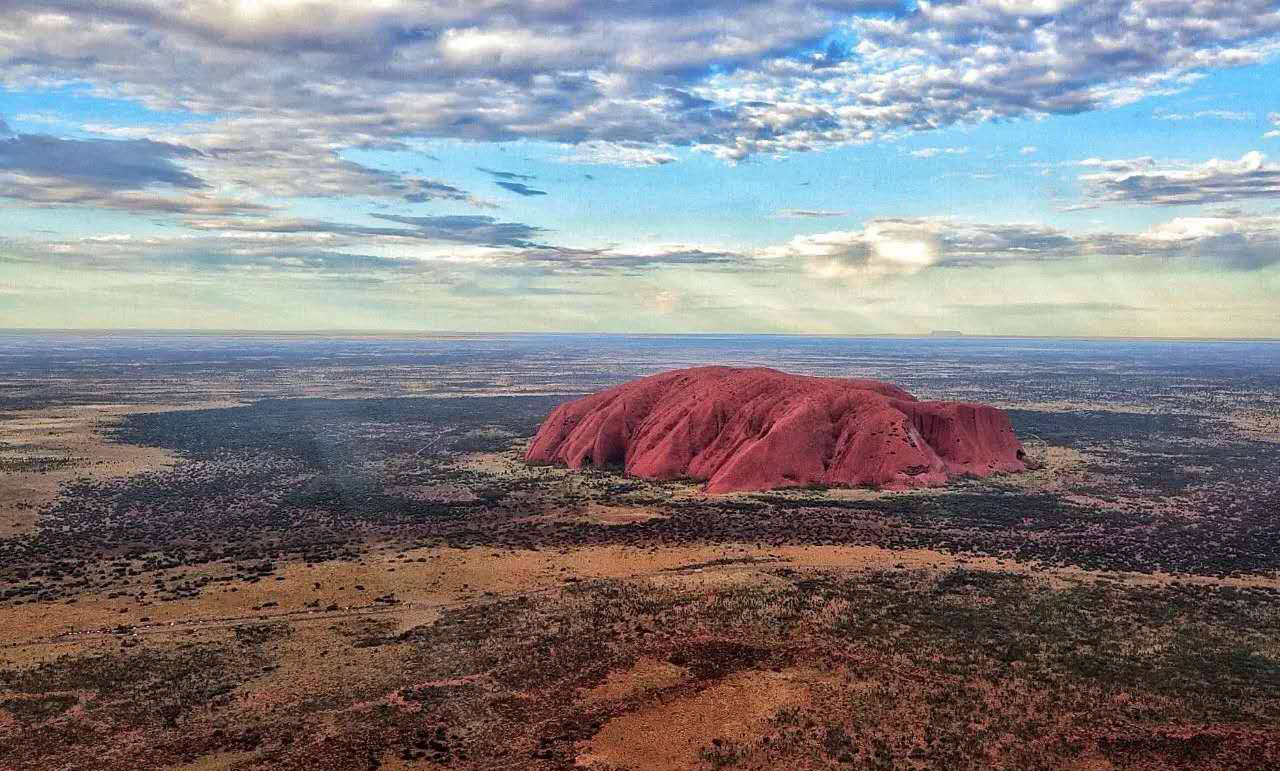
[759, 429]
[946, 333]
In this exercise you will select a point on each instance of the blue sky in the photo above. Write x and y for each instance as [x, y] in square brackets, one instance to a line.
[996, 166]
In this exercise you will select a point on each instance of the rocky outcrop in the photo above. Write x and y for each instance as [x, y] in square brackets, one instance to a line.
[758, 429]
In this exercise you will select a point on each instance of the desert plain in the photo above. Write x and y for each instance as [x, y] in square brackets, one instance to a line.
[235, 553]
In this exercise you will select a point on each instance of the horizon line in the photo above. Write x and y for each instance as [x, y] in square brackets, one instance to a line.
[933, 335]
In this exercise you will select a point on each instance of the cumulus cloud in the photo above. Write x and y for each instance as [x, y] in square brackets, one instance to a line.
[903, 247]
[888, 246]
[883, 246]
[1239, 242]
[1147, 181]
[732, 78]
[960, 62]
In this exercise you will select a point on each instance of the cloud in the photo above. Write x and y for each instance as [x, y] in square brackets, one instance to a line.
[732, 78]
[1047, 308]
[792, 214]
[932, 152]
[473, 253]
[882, 247]
[597, 153]
[282, 156]
[462, 229]
[470, 229]
[134, 175]
[887, 247]
[519, 188]
[1275, 121]
[632, 261]
[1146, 181]
[523, 288]
[1228, 115]
[105, 164]
[43, 192]
[341, 252]
[256, 255]
[1236, 242]
[509, 175]
[1028, 150]
[949, 63]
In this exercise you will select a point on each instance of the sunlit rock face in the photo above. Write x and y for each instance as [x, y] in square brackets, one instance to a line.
[759, 429]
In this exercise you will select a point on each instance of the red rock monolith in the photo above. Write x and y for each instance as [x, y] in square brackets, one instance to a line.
[759, 429]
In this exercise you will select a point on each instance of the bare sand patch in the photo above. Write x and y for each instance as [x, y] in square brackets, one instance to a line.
[47, 448]
[672, 734]
[619, 515]
[645, 676]
[428, 580]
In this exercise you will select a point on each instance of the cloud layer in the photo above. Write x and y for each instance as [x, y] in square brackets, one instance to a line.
[1146, 181]
[286, 140]
[897, 247]
[755, 76]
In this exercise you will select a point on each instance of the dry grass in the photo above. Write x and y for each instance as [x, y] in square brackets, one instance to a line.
[65, 443]
[673, 734]
[427, 580]
[644, 677]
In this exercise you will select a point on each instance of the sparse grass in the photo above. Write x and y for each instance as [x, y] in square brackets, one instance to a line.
[969, 668]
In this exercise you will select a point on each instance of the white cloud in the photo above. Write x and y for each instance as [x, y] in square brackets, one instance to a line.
[1028, 150]
[882, 247]
[732, 78]
[933, 152]
[597, 153]
[903, 247]
[1146, 181]
[796, 214]
[1275, 121]
[1228, 115]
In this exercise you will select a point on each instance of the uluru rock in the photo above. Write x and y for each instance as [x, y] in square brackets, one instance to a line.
[758, 429]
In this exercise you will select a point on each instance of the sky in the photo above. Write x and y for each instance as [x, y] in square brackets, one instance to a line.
[1006, 167]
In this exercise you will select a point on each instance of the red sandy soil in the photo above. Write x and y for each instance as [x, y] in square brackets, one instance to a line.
[758, 429]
